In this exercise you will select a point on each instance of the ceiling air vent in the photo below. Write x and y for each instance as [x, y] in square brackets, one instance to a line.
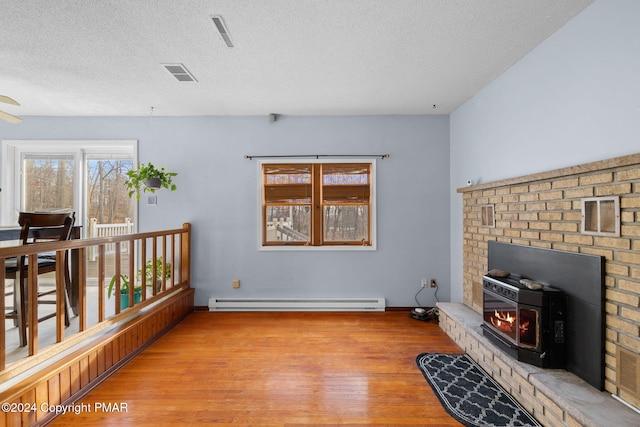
[180, 72]
[222, 30]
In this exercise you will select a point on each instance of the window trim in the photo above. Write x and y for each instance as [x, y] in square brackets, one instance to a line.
[328, 247]
[13, 152]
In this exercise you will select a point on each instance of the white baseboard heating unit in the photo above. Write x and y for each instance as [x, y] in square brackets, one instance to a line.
[296, 304]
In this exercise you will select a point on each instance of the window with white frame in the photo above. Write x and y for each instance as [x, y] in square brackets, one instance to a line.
[85, 176]
[315, 204]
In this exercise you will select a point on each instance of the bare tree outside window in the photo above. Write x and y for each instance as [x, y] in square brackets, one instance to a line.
[107, 198]
[48, 183]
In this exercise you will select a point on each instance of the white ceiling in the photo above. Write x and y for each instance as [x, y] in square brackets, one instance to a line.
[293, 57]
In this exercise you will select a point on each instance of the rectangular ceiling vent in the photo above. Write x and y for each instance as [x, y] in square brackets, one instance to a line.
[180, 72]
[222, 30]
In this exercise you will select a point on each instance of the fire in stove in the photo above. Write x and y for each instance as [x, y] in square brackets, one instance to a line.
[504, 322]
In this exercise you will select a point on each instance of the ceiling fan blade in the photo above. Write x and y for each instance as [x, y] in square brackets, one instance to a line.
[10, 118]
[8, 100]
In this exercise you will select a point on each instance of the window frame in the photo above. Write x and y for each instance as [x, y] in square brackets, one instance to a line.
[333, 246]
[14, 151]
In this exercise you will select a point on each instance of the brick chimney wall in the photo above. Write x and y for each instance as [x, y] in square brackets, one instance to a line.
[544, 210]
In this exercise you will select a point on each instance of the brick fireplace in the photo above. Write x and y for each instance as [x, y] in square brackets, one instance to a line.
[555, 397]
[545, 210]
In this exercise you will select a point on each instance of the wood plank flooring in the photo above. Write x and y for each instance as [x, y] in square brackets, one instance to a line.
[276, 369]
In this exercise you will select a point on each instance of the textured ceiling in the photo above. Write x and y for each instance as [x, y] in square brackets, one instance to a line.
[294, 57]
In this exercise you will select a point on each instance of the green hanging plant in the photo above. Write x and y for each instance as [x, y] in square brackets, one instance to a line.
[149, 178]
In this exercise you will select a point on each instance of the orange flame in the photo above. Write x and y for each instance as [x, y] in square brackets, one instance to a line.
[504, 322]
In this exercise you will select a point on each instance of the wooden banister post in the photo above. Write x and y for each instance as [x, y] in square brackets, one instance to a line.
[32, 304]
[60, 295]
[185, 255]
[82, 289]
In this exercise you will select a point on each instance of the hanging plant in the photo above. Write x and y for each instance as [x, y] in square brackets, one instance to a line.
[149, 178]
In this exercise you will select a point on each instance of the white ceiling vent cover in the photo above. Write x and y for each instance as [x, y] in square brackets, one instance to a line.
[180, 72]
[222, 30]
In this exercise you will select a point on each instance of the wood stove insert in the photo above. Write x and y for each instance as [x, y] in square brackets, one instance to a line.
[528, 324]
[581, 278]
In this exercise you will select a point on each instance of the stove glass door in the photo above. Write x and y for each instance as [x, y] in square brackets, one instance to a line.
[529, 327]
[501, 315]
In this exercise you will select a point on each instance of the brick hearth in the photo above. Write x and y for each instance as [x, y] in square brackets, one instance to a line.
[554, 397]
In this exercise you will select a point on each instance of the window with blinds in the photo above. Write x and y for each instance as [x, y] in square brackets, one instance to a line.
[317, 204]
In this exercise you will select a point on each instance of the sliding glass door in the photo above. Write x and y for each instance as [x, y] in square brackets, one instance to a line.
[86, 176]
[106, 196]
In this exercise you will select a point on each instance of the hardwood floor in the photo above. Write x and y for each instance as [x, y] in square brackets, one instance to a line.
[279, 369]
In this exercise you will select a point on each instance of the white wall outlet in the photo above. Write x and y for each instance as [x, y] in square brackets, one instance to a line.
[236, 283]
[423, 282]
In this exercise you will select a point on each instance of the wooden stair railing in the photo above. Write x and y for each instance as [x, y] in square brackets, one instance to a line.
[175, 249]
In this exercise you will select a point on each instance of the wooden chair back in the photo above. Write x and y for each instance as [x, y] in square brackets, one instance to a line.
[39, 227]
[45, 226]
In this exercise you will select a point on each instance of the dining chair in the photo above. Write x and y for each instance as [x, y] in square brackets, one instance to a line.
[37, 227]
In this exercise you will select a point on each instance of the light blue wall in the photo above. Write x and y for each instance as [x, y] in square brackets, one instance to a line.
[218, 194]
[573, 100]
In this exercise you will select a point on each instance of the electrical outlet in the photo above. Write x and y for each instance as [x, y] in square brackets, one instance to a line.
[423, 282]
[433, 283]
[236, 283]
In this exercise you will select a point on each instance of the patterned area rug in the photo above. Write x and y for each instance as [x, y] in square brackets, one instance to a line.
[469, 394]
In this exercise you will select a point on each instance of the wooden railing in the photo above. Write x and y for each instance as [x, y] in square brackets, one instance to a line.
[149, 253]
[108, 230]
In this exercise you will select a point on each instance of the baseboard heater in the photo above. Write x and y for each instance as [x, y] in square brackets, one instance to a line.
[296, 304]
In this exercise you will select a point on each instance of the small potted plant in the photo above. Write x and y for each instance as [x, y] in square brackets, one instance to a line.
[149, 178]
[148, 273]
[124, 291]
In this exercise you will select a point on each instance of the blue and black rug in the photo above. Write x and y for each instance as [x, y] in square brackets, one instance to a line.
[469, 394]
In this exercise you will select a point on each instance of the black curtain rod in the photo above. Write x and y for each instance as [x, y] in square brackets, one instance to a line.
[317, 156]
